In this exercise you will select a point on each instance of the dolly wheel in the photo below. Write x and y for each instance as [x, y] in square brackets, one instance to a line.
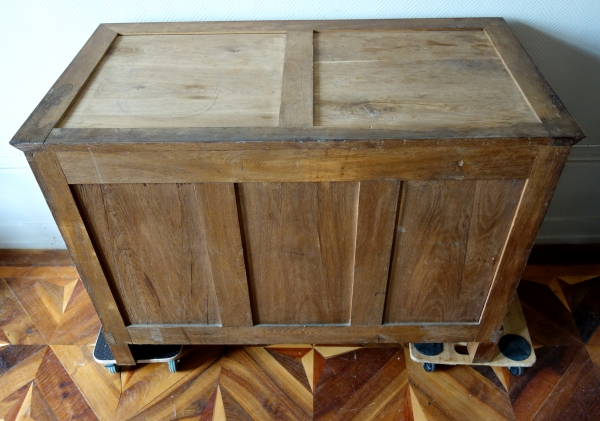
[516, 371]
[112, 368]
[429, 367]
[173, 366]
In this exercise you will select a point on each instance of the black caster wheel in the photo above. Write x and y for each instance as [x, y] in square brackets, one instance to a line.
[516, 371]
[112, 368]
[429, 367]
[173, 366]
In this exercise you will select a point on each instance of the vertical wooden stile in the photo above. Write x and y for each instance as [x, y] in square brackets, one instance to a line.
[54, 185]
[297, 90]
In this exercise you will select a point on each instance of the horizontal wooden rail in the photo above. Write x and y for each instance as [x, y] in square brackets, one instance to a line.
[385, 163]
[261, 334]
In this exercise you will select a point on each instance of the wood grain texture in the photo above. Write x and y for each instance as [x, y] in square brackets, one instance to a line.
[376, 222]
[449, 395]
[366, 384]
[151, 239]
[300, 240]
[45, 116]
[17, 378]
[42, 300]
[51, 179]
[262, 388]
[56, 385]
[218, 207]
[79, 323]
[16, 327]
[184, 81]
[534, 203]
[297, 91]
[449, 243]
[188, 398]
[543, 100]
[393, 162]
[100, 388]
[332, 334]
[362, 81]
[34, 258]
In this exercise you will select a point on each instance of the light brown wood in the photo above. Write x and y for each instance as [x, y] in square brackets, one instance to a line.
[387, 162]
[534, 203]
[44, 118]
[268, 334]
[52, 181]
[154, 248]
[441, 79]
[297, 90]
[300, 240]
[377, 210]
[184, 81]
[218, 207]
[448, 245]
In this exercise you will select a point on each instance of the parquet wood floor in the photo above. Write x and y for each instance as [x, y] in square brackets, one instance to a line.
[47, 372]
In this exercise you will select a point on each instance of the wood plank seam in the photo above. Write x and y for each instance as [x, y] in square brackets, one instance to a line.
[247, 262]
[399, 206]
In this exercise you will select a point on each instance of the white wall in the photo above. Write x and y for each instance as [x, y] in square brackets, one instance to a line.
[38, 39]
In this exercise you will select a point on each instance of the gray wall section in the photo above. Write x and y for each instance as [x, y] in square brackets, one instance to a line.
[574, 73]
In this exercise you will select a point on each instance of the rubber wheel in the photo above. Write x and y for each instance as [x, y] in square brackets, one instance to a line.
[429, 367]
[112, 368]
[516, 371]
[173, 366]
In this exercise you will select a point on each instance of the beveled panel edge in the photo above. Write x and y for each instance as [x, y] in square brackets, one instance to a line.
[542, 99]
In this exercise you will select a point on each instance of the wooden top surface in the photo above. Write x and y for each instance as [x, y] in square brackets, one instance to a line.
[301, 80]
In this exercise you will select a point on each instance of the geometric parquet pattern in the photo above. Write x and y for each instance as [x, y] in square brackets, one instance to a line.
[47, 372]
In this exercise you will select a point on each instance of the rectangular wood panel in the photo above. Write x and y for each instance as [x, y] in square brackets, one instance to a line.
[224, 80]
[377, 210]
[414, 80]
[450, 238]
[390, 160]
[300, 240]
[153, 245]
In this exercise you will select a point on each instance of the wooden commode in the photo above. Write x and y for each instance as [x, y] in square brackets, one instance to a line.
[370, 181]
